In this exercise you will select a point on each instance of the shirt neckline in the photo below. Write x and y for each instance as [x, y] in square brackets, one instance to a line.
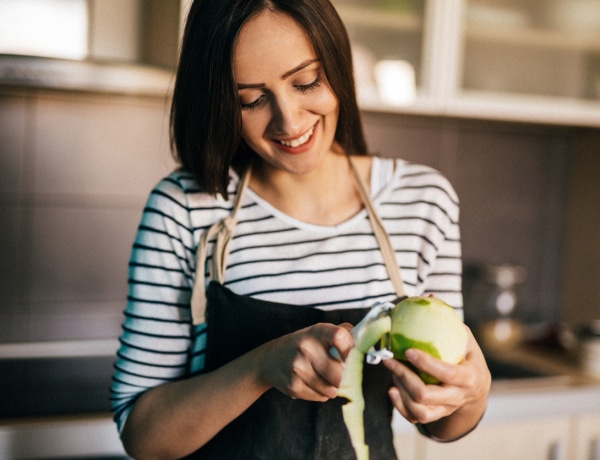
[383, 173]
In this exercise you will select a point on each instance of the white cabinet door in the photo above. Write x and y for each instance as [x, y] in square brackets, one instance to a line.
[586, 438]
[406, 444]
[525, 439]
[478, 58]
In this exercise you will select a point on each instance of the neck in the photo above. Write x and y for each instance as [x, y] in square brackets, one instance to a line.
[326, 196]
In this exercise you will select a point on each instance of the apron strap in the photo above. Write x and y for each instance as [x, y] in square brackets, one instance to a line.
[383, 239]
[223, 229]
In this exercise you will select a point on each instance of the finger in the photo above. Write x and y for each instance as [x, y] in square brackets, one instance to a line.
[326, 380]
[310, 391]
[407, 372]
[307, 383]
[315, 366]
[397, 401]
[409, 382]
[440, 370]
[341, 339]
[426, 407]
[414, 411]
[338, 338]
[403, 373]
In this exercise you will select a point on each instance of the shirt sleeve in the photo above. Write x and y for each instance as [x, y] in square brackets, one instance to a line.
[444, 274]
[156, 335]
[445, 278]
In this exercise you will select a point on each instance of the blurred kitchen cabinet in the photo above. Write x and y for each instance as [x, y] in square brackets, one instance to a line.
[143, 32]
[520, 424]
[406, 443]
[586, 438]
[116, 31]
[544, 438]
[387, 42]
[549, 47]
[537, 59]
[532, 60]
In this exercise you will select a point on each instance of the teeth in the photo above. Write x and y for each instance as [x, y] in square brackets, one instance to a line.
[298, 142]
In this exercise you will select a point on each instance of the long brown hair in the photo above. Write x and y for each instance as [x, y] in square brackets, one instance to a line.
[206, 113]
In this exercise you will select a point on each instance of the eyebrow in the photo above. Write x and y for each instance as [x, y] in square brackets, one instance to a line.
[287, 74]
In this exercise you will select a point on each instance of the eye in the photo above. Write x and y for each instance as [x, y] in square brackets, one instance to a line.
[254, 104]
[311, 86]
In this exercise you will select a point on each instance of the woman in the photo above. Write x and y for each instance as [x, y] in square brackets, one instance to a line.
[253, 259]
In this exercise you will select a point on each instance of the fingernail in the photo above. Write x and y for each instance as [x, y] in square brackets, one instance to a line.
[411, 354]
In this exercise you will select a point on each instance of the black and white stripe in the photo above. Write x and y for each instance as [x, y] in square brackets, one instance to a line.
[275, 257]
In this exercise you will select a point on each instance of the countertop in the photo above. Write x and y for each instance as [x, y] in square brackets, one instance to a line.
[564, 390]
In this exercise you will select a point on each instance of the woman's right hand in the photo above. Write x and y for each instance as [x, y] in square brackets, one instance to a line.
[300, 365]
[175, 419]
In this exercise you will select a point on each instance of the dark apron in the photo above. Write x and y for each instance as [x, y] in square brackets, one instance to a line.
[277, 427]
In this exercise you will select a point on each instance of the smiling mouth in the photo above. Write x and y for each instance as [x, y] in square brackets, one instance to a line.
[299, 141]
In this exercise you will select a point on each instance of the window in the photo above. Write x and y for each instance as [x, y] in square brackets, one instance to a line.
[51, 28]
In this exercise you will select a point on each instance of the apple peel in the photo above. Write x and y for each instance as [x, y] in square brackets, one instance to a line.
[351, 385]
[353, 410]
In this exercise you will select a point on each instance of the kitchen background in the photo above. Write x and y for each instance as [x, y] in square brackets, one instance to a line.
[503, 97]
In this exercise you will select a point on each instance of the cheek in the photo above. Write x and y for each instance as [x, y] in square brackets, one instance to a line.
[253, 127]
[326, 103]
[329, 108]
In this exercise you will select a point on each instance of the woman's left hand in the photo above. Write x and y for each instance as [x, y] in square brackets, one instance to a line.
[450, 408]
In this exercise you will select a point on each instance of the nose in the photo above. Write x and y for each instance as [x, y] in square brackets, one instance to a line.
[286, 116]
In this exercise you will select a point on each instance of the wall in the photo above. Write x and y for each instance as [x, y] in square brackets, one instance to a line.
[511, 180]
[75, 170]
[581, 295]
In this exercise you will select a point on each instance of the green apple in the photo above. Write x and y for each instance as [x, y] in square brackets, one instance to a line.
[431, 325]
[426, 323]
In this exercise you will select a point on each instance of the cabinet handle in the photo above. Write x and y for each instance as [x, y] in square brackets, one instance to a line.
[557, 451]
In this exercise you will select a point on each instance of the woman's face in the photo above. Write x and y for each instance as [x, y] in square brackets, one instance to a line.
[289, 111]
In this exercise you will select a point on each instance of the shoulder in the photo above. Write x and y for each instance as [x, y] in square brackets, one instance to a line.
[176, 206]
[174, 188]
[416, 188]
[179, 190]
[413, 176]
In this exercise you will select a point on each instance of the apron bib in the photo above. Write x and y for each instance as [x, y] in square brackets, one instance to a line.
[276, 426]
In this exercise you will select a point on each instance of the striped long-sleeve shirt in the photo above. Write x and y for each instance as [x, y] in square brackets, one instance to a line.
[278, 258]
